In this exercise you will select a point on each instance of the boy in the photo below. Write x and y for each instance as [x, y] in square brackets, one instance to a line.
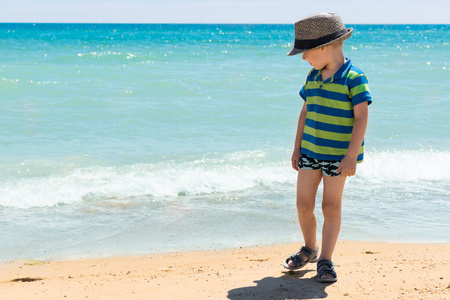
[330, 134]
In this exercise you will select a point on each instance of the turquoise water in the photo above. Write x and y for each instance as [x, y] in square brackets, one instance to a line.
[129, 139]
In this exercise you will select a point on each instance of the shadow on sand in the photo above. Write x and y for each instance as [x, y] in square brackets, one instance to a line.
[292, 285]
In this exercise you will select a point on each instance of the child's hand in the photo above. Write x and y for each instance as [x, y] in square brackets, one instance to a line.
[347, 166]
[295, 160]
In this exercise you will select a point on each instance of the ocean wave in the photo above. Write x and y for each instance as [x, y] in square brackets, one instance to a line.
[47, 184]
[205, 175]
[406, 166]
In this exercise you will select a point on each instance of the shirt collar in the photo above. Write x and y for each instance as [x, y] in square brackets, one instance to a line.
[342, 70]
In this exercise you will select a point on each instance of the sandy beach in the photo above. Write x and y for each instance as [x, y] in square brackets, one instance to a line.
[365, 270]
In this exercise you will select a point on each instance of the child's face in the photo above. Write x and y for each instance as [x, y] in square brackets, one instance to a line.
[316, 58]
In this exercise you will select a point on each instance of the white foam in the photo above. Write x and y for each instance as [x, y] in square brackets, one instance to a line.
[166, 179]
[234, 172]
[406, 165]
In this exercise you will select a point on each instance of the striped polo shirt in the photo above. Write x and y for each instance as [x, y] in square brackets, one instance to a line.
[330, 117]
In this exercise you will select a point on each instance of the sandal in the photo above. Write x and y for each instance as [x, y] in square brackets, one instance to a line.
[325, 266]
[298, 260]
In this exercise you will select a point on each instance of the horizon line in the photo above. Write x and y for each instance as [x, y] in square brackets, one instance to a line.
[208, 23]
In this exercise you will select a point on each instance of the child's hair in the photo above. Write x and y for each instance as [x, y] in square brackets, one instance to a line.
[338, 44]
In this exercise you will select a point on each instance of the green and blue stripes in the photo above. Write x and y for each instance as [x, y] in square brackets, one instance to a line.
[330, 117]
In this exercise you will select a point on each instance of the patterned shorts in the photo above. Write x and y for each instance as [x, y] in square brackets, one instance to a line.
[328, 168]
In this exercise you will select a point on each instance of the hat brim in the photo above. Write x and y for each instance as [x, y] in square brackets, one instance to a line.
[295, 51]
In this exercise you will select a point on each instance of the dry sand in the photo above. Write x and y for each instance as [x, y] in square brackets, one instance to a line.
[365, 271]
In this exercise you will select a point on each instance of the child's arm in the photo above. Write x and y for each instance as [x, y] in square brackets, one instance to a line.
[348, 164]
[298, 138]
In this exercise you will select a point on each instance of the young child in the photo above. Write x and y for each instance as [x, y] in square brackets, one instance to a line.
[330, 134]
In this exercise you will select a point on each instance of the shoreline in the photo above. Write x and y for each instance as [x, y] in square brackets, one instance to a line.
[366, 270]
[59, 257]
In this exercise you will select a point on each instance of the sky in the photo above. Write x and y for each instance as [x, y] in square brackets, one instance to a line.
[222, 11]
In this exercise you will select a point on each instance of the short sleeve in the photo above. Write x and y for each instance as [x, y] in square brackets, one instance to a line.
[359, 90]
[303, 93]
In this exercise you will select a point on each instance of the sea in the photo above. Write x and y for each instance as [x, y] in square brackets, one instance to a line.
[130, 139]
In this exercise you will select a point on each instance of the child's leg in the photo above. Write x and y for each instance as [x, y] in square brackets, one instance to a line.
[307, 184]
[333, 188]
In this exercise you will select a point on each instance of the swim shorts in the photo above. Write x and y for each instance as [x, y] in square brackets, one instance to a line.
[328, 168]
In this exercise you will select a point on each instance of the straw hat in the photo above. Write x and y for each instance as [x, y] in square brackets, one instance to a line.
[319, 30]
